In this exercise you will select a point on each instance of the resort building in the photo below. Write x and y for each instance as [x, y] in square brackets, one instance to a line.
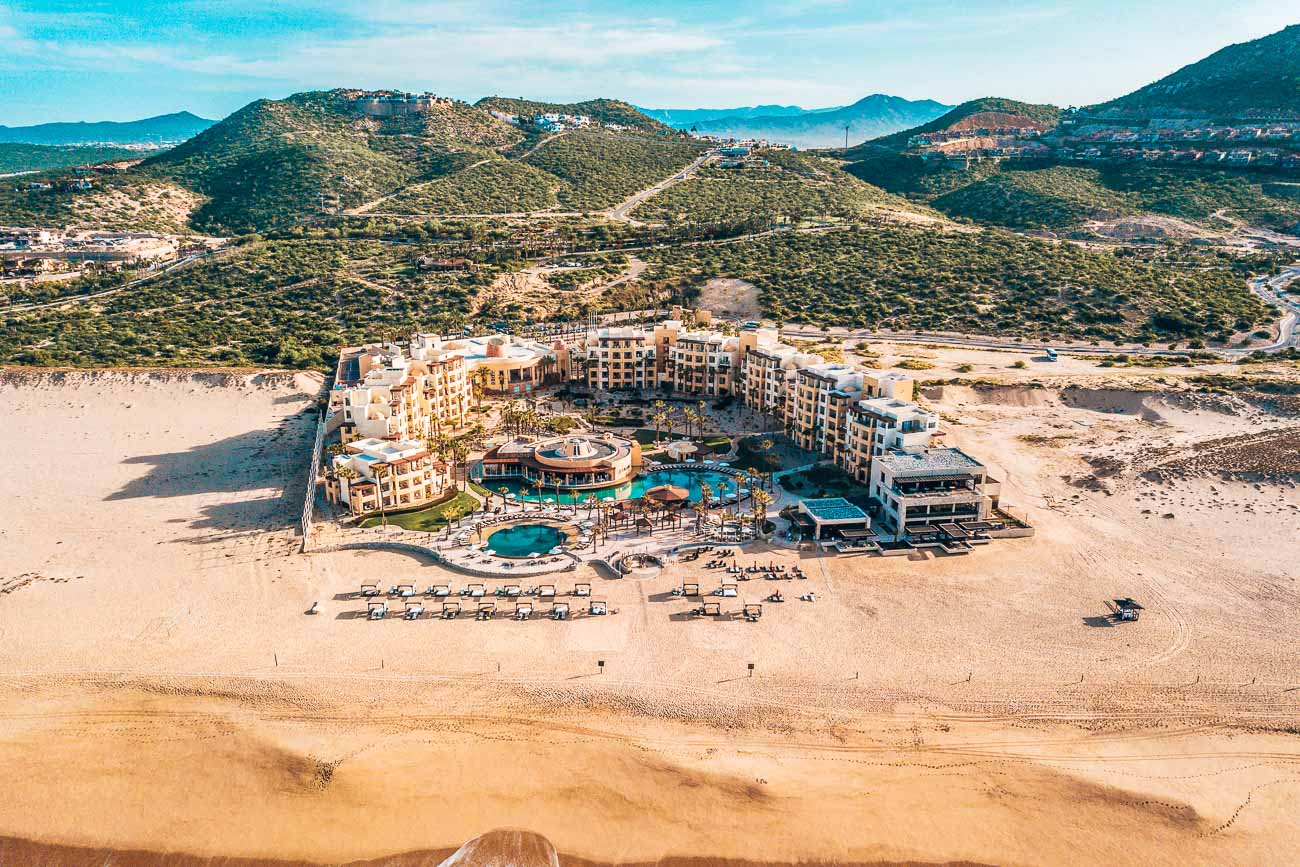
[383, 392]
[566, 463]
[769, 375]
[818, 405]
[502, 364]
[621, 358]
[403, 472]
[704, 363]
[838, 411]
[930, 493]
[881, 425]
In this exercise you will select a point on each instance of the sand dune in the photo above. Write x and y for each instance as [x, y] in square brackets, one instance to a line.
[161, 690]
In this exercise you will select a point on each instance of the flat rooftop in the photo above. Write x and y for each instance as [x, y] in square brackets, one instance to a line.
[833, 509]
[929, 461]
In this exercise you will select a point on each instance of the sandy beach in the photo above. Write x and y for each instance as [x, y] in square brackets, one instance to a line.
[163, 691]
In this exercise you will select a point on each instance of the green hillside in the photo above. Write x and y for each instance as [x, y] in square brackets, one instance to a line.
[794, 187]
[1061, 197]
[1257, 78]
[602, 168]
[906, 277]
[36, 158]
[289, 304]
[494, 187]
[599, 110]
[273, 162]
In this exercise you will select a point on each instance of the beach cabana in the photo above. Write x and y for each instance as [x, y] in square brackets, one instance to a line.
[405, 590]
[667, 495]
[450, 609]
[377, 610]
[546, 591]
[475, 590]
[581, 589]
[369, 590]
[752, 612]
[414, 610]
[597, 607]
[710, 609]
[485, 611]
[440, 590]
[728, 591]
[560, 611]
[523, 610]
[690, 590]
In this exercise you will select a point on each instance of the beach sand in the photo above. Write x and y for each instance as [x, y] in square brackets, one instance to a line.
[162, 690]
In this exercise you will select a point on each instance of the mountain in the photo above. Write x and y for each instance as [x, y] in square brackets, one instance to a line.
[1257, 79]
[986, 110]
[869, 117]
[682, 118]
[165, 128]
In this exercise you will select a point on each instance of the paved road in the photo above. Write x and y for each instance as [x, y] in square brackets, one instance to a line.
[619, 212]
[1267, 288]
[78, 299]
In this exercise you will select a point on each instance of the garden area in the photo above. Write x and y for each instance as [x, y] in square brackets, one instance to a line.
[428, 519]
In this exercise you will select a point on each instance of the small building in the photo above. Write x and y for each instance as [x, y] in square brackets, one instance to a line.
[830, 519]
[933, 494]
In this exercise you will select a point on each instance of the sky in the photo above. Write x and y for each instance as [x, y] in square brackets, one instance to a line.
[126, 59]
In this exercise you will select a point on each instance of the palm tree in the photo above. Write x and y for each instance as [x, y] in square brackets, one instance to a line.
[381, 471]
[459, 450]
[762, 499]
[660, 417]
[690, 416]
[702, 508]
[503, 490]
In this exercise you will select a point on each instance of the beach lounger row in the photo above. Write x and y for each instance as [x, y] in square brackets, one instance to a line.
[451, 609]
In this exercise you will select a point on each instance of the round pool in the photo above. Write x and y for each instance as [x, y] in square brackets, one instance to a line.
[521, 540]
[691, 480]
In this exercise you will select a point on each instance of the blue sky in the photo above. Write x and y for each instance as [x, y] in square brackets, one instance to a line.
[123, 59]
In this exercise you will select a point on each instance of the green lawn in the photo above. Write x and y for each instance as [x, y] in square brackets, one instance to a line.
[646, 437]
[429, 519]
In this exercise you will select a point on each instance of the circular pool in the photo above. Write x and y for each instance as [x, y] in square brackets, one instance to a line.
[691, 480]
[523, 540]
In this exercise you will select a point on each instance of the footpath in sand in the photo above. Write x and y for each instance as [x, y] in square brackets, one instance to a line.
[162, 690]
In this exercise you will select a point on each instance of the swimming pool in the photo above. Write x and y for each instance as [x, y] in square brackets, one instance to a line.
[721, 483]
[524, 539]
